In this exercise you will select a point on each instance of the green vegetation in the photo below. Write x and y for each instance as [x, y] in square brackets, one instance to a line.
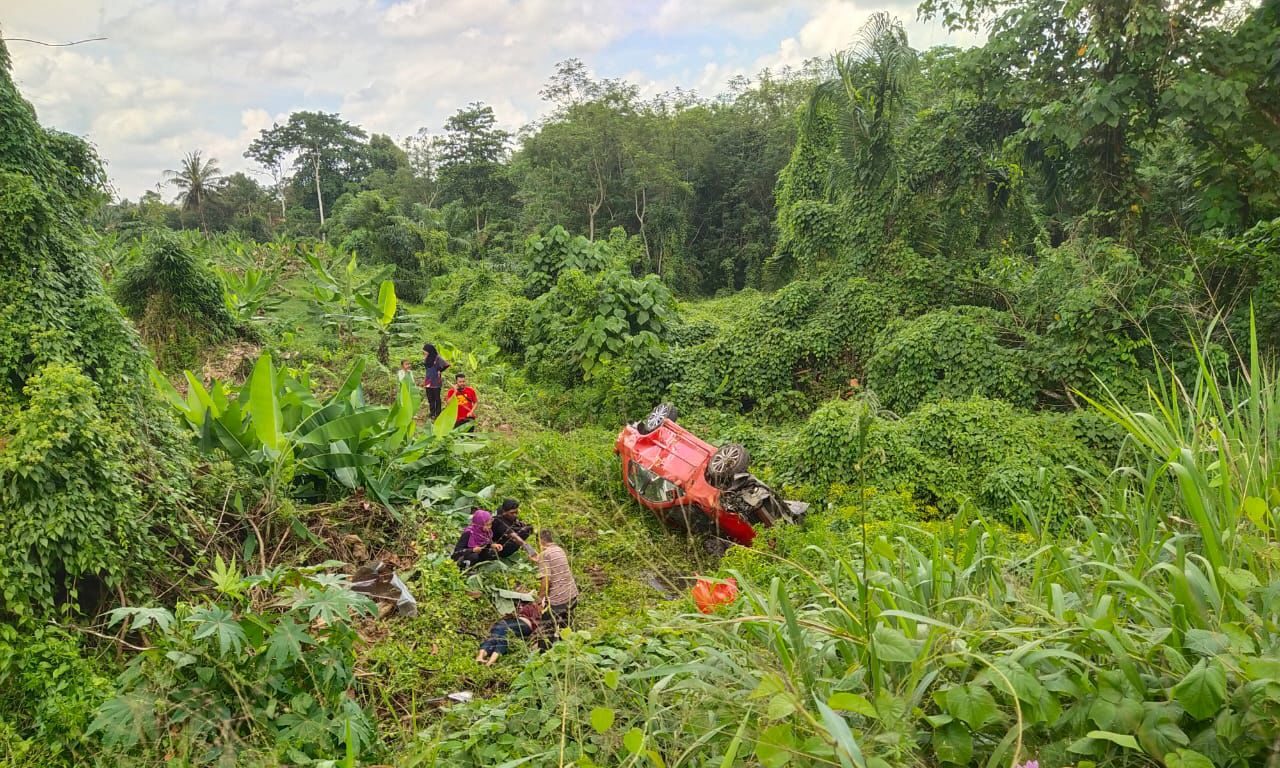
[1007, 318]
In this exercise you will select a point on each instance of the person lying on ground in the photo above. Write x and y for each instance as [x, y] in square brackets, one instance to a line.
[466, 400]
[476, 544]
[558, 591]
[523, 623]
[510, 532]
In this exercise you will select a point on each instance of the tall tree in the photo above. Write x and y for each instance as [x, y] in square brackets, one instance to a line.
[1091, 79]
[471, 162]
[198, 180]
[327, 152]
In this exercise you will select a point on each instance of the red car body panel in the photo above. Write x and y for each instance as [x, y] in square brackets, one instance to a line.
[677, 455]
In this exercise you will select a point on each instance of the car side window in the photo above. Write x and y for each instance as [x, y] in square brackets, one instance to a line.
[650, 486]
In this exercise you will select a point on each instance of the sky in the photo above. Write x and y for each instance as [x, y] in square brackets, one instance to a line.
[178, 75]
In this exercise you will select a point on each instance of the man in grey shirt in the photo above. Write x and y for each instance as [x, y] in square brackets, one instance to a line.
[559, 591]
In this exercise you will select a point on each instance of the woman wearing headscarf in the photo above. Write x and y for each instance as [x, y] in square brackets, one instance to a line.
[434, 366]
[476, 544]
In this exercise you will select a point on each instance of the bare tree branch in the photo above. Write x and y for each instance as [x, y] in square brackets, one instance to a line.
[50, 45]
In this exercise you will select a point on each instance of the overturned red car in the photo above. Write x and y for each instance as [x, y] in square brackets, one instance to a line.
[692, 484]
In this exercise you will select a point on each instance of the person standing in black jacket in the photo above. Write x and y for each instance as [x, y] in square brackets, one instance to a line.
[434, 366]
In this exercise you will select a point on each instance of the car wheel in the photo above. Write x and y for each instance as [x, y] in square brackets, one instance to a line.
[729, 460]
[657, 417]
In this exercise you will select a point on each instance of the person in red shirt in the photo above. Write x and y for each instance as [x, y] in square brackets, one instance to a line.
[466, 400]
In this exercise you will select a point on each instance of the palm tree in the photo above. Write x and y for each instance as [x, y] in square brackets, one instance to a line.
[199, 181]
[869, 93]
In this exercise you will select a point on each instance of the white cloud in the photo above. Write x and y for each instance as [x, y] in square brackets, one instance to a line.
[210, 74]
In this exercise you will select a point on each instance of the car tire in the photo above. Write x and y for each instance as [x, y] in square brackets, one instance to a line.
[660, 414]
[729, 460]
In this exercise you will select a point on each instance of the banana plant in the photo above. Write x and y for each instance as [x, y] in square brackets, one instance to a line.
[380, 313]
[251, 295]
[276, 424]
[336, 287]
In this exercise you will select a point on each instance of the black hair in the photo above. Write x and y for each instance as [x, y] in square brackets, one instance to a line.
[430, 350]
[546, 537]
[508, 505]
[459, 375]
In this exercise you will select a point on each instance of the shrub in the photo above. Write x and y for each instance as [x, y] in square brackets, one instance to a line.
[588, 320]
[75, 526]
[953, 353]
[556, 252]
[810, 336]
[222, 679]
[51, 692]
[99, 452]
[175, 300]
[981, 451]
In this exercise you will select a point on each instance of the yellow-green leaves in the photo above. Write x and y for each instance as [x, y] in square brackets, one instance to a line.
[601, 719]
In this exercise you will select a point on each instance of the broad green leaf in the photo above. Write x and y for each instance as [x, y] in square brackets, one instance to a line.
[1256, 510]
[611, 679]
[1205, 642]
[601, 719]
[264, 408]
[780, 706]
[218, 623]
[970, 703]
[340, 460]
[285, 644]
[141, 617]
[1159, 732]
[1119, 739]
[775, 745]
[633, 740]
[892, 645]
[1239, 579]
[852, 702]
[166, 390]
[1203, 689]
[1186, 758]
[126, 720]
[345, 428]
[386, 302]
[443, 424]
[953, 743]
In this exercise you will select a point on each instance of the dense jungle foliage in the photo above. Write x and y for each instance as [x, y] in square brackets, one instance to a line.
[1007, 317]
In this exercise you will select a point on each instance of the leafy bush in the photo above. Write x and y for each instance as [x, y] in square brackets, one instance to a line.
[556, 252]
[83, 444]
[76, 526]
[588, 320]
[811, 336]
[175, 300]
[981, 451]
[952, 353]
[223, 679]
[51, 694]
